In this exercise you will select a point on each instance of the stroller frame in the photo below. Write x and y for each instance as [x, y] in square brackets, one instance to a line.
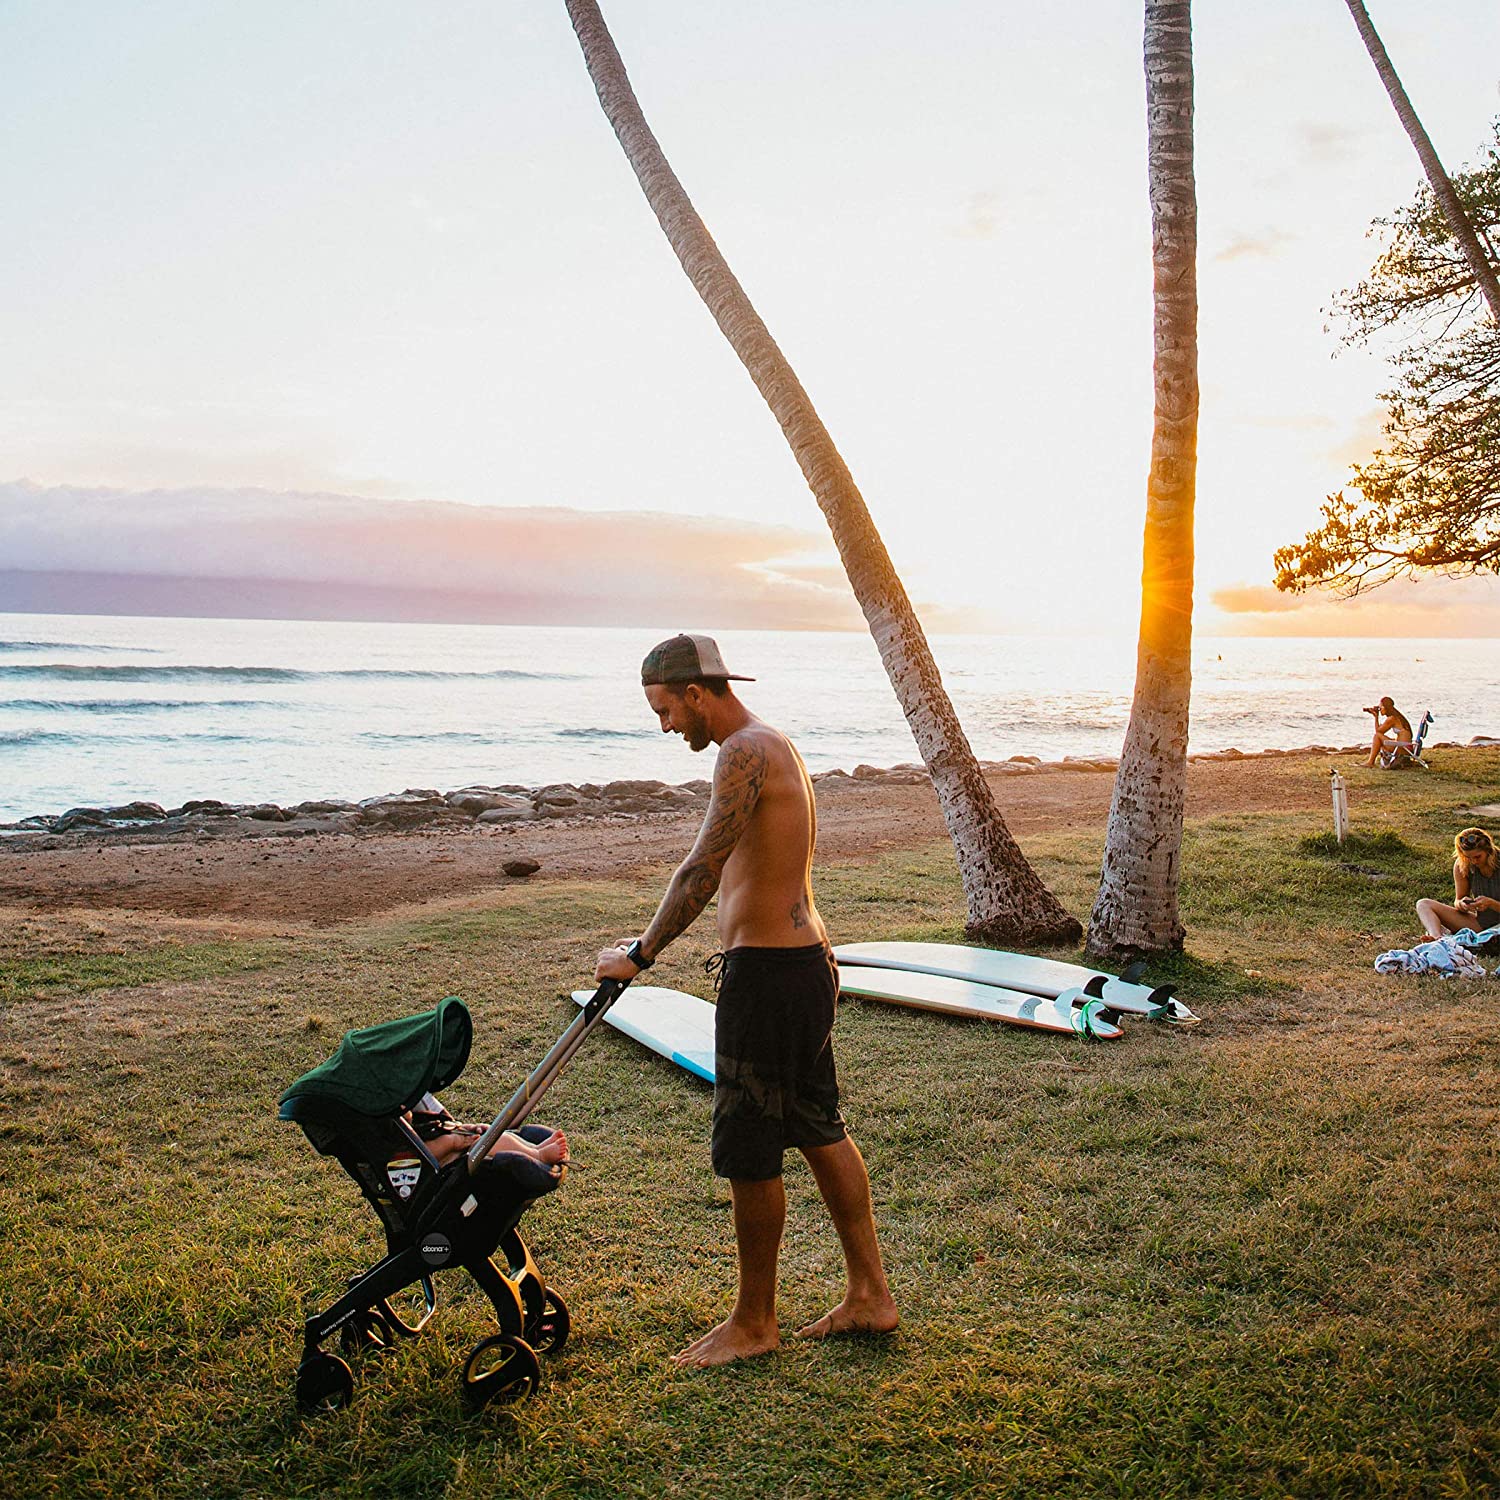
[463, 1215]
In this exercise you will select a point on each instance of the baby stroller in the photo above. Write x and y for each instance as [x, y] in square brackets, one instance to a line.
[365, 1105]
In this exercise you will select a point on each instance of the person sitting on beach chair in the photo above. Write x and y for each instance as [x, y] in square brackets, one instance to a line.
[1392, 730]
[1476, 889]
[1399, 755]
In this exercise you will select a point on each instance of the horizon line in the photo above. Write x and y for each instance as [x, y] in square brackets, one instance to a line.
[803, 629]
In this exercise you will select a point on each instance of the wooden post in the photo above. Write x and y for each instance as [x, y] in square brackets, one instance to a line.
[1340, 806]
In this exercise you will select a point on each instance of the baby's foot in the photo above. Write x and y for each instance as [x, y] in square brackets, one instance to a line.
[552, 1152]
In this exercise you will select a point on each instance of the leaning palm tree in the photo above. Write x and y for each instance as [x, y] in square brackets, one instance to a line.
[1442, 186]
[1136, 910]
[1007, 902]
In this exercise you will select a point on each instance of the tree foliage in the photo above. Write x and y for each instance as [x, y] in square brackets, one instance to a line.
[1429, 500]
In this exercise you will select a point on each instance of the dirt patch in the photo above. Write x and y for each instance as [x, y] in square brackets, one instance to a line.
[322, 879]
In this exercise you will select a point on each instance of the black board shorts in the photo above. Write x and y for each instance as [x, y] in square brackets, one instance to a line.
[774, 1080]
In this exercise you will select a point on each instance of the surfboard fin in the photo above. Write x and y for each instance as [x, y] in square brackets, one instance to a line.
[1133, 972]
[1091, 1006]
[1165, 1008]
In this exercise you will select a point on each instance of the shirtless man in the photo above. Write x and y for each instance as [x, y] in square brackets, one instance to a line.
[1389, 720]
[776, 1086]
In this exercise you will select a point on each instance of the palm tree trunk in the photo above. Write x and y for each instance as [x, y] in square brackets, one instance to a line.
[1442, 188]
[1136, 909]
[1007, 902]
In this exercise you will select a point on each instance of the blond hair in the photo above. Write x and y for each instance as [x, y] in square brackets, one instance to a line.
[1482, 859]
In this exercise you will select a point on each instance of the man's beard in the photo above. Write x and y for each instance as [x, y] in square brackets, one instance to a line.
[695, 732]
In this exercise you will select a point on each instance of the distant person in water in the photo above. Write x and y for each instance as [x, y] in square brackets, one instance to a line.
[1476, 889]
[1392, 729]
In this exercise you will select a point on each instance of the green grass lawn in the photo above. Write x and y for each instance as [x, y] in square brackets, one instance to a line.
[1259, 1257]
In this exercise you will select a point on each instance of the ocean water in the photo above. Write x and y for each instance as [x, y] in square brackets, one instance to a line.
[99, 710]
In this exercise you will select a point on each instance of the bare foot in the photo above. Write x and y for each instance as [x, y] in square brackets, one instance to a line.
[725, 1344]
[552, 1152]
[865, 1315]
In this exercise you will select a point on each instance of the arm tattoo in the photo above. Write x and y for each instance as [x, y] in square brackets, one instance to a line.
[739, 778]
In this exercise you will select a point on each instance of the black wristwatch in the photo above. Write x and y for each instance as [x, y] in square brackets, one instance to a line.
[639, 959]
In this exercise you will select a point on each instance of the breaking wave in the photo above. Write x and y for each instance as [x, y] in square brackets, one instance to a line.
[68, 646]
[606, 734]
[102, 672]
[23, 737]
[450, 736]
[127, 705]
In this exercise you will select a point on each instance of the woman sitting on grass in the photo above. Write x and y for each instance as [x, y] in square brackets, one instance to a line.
[1476, 889]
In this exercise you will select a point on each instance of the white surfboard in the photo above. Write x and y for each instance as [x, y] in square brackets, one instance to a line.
[675, 1026]
[1073, 1012]
[1016, 971]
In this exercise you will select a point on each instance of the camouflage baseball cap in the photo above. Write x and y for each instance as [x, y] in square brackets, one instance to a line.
[686, 658]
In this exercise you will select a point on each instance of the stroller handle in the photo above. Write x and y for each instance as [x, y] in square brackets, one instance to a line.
[546, 1072]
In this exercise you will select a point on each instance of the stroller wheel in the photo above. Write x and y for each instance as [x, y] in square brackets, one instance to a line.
[548, 1330]
[501, 1368]
[366, 1333]
[323, 1383]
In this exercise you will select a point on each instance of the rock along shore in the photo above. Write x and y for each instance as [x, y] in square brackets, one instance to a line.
[486, 806]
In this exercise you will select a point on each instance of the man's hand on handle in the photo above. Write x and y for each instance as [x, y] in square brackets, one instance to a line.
[614, 964]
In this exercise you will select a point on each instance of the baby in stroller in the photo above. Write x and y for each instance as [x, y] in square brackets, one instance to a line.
[447, 1138]
[372, 1105]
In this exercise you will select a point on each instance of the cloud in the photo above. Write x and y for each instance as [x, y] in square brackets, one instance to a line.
[1300, 421]
[426, 214]
[1326, 144]
[983, 217]
[1246, 246]
[1457, 608]
[344, 556]
[1362, 439]
[1255, 599]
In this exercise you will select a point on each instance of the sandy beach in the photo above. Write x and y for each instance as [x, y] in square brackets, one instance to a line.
[285, 872]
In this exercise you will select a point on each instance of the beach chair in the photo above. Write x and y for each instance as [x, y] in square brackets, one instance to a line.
[1408, 755]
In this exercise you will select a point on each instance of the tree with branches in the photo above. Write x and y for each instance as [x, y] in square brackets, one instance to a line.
[1480, 263]
[1427, 502]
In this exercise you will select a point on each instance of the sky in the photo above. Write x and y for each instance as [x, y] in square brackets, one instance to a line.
[292, 289]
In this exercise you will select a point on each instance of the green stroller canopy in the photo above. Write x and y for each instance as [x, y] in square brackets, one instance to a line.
[385, 1069]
